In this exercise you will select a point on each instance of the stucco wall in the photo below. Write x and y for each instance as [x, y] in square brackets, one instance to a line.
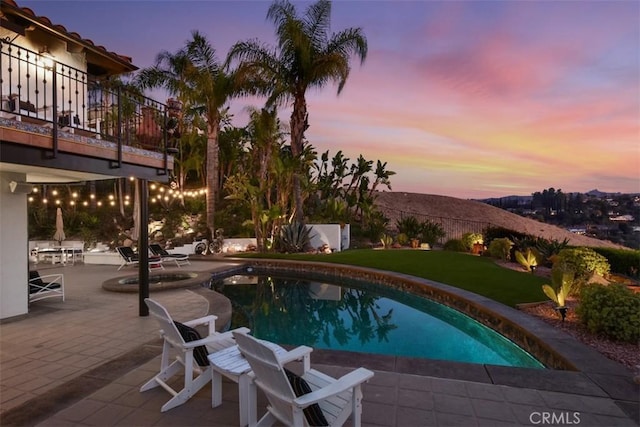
[14, 264]
[336, 236]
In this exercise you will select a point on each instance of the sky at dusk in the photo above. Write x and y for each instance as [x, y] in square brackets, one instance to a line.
[470, 99]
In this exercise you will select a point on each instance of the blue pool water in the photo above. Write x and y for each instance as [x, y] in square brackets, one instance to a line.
[362, 317]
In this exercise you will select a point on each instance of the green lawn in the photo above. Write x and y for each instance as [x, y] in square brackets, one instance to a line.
[476, 274]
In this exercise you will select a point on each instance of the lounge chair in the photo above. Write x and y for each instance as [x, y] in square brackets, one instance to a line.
[312, 398]
[131, 258]
[179, 259]
[190, 353]
[47, 286]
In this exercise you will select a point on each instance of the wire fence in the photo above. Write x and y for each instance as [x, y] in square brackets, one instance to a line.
[453, 228]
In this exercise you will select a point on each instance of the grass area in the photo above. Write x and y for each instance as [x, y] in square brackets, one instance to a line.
[475, 274]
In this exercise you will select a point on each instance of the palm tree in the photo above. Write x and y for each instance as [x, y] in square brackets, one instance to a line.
[306, 57]
[197, 78]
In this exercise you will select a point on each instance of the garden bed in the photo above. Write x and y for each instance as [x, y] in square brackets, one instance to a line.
[625, 353]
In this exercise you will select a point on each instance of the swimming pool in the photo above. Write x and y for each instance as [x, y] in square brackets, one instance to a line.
[353, 315]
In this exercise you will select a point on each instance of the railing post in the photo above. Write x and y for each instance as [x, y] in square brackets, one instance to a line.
[119, 125]
[165, 138]
[54, 83]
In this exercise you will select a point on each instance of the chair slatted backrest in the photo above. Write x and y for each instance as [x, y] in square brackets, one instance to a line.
[158, 250]
[169, 328]
[126, 252]
[34, 278]
[269, 373]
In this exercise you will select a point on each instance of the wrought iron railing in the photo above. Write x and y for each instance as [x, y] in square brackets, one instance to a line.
[36, 88]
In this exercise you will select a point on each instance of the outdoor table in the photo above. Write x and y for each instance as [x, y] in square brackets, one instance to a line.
[232, 364]
[59, 254]
[53, 253]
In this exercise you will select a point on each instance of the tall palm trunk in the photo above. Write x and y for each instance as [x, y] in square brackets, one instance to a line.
[298, 126]
[213, 161]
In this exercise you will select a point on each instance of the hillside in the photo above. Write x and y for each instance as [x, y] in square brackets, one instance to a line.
[394, 204]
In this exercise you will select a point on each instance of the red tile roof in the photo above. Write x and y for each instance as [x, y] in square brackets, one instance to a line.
[29, 14]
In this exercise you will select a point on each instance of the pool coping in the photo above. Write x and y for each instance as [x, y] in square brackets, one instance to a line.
[575, 367]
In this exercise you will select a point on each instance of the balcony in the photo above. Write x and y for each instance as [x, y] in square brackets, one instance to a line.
[48, 104]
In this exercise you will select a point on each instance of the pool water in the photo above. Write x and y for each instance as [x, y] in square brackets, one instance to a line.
[363, 317]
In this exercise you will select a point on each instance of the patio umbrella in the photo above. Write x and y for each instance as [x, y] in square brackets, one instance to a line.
[59, 234]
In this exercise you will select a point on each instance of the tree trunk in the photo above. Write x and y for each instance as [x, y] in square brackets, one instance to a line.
[212, 174]
[298, 126]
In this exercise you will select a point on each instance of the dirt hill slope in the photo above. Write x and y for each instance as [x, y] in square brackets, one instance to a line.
[395, 204]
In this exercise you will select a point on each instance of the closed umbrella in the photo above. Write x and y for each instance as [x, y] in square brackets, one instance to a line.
[59, 234]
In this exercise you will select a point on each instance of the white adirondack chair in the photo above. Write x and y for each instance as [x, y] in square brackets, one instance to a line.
[183, 353]
[336, 398]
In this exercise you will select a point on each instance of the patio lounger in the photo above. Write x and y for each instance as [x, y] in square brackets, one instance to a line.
[131, 258]
[179, 259]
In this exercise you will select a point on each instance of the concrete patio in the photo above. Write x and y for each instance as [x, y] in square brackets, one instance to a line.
[81, 362]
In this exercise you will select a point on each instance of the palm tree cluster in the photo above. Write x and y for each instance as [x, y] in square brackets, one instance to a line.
[255, 164]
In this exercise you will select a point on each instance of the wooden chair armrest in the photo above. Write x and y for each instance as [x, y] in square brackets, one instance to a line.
[206, 320]
[346, 382]
[297, 353]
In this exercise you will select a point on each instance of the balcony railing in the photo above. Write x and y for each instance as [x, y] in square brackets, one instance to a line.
[38, 89]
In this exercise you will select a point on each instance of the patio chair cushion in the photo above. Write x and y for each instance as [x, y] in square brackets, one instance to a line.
[300, 387]
[189, 334]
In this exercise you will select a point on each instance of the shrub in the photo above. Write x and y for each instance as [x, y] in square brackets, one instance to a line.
[402, 239]
[500, 248]
[455, 245]
[584, 262]
[549, 248]
[431, 232]
[523, 243]
[410, 226]
[470, 239]
[491, 233]
[611, 310]
[622, 261]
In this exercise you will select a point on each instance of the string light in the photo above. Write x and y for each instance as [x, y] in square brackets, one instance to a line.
[164, 194]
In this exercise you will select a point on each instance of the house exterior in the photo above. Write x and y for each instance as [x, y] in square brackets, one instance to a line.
[63, 119]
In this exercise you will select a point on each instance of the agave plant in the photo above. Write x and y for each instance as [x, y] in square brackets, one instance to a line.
[562, 281]
[528, 259]
[386, 241]
[295, 237]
